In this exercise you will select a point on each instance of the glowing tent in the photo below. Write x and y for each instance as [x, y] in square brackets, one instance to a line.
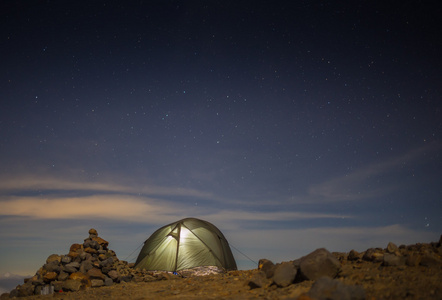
[186, 244]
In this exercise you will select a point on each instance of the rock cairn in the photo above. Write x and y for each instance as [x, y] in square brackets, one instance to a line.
[90, 264]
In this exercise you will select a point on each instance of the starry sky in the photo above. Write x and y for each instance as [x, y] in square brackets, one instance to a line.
[290, 125]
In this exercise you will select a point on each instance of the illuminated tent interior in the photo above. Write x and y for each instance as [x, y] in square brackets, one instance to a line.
[186, 244]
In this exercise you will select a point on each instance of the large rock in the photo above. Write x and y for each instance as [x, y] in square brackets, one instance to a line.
[50, 276]
[319, 263]
[95, 273]
[284, 274]
[267, 267]
[71, 285]
[326, 288]
[259, 280]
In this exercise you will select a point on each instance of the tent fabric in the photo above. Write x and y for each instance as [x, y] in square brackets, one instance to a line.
[186, 244]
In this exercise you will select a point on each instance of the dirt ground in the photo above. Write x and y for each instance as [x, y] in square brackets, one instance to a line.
[379, 282]
[410, 272]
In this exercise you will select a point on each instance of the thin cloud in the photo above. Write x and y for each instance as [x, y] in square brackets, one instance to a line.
[359, 184]
[27, 183]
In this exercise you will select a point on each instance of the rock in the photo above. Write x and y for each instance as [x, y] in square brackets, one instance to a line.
[373, 255]
[50, 276]
[108, 281]
[267, 267]
[69, 269]
[113, 274]
[393, 260]
[76, 248]
[97, 282]
[391, 248]
[90, 250]
[93, 232]
[71, 285]
[284, 274]
[63, 276]
[53, 266]
[73, 254]
[259, 280]
[95, 273]
[353, 255]
[86, 266]
[319, 263]
[101, 242]
[53, 257]
[326, 288]
[66, 259]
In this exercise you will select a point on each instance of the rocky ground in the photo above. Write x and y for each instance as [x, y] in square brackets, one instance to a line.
[404, 272]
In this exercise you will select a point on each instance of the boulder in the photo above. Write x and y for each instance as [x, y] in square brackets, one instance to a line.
[284, 274]
[319, 263]
[259, 280]
[267, 267]
[97, 282]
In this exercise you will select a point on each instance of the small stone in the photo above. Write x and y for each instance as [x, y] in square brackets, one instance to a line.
[373, 255]
[90, 250]
[63, 276]
[93, 231]
[391, 248]
[53, 266]
[50, 276]
[284, 274]
[86, 265]
[97, 282]
[101, 242]
[66, 259]
[53, 257]
[108, 281]
[76, 247]
[353, 255]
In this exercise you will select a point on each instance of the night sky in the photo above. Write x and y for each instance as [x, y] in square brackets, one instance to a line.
[289, 125]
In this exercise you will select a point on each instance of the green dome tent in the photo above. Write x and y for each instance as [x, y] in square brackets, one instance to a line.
[186, 244]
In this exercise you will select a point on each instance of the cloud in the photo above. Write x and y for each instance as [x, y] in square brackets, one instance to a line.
[370, 181]
[35, 182]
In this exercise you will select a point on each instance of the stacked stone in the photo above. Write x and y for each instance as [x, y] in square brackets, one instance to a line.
[90, 264]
